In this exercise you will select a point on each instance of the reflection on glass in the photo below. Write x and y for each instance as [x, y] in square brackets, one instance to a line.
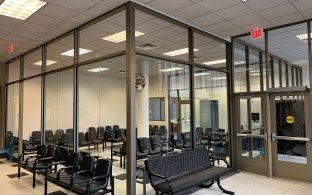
[211, 112]
[12, 124]
[240, 81]
[61, 53]
[59, 108]
[103, 38]
[254, 70]
[283, 67]
[33, 63]
[290, 122]
[32, 104]
[276, 73]
[14, 70]
[156, 109]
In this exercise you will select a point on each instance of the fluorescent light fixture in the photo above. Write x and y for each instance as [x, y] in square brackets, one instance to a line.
[219, 78]
[71, 52]
[100, 69]
[303, 37]
[239, 62]
[120, 36]
[170, 69]
[49, 62]
[201, 74]
[122, 71]
[20, 9]
[257, 74]
[178, 52]
[215, 62]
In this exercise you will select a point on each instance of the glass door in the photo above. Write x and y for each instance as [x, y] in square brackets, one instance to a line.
[251, 134]
[291, 136]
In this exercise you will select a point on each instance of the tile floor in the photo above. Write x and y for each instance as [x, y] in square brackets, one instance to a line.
[242, 183]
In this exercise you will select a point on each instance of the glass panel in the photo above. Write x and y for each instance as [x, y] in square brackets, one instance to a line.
[240, 83]
[283, 67]
[59, 108]
[245, 147]
[290, 76]
[210, 52]
[290, 44]
[276, 73]
[32, 104]
[12, 124]
[256, 126]
[158, 37]
[33, 63]
[61, 53]
[290, 121]
[254, 70]
[14, 70]
[270, 72]
[103, 38]
[211, 111]
[156, 109]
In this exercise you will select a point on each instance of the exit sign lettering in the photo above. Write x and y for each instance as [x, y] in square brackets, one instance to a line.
[256, 33]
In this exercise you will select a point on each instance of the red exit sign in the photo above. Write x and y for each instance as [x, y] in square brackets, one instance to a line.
[256, 33]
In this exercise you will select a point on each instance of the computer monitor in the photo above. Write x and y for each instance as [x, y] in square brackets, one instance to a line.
[255, 116]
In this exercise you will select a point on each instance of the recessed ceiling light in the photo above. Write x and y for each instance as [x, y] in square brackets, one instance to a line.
[219, 78]
[178, 52]
[244, 0]
[170, 69]
[303, 37]
[122, 72]
[120, 36]
[49, 62]
[20, 9]
[100, 69]
[257, 74]
[201, 74]
[71, 52]
[215, 62]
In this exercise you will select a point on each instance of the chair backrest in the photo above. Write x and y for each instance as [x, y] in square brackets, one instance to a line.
[221, 130]
[90, 135]
[208, 131]
[111, 134]
[120, 133]
[63, 153]
[200, 131]
[144, 141]
[176, 136]
[49, 135]
[69, 137]
[92, 129]
[103, 167]
[73, 159]
[108, 127]
[87, 163]
[115, 127]
[42, 150]
[162, 132]
[59, 134]
[186, 136]
[101, 131]
[50, 151]
[155, 140]
[82, 137]
[10, 143]
[70, 131]
[36, 135]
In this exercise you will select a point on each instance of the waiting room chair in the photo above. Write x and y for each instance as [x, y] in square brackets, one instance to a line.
[49, 137]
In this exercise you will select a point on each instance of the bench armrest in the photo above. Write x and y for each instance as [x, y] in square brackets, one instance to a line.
[111, 177]
[161, 177]
[64, 169]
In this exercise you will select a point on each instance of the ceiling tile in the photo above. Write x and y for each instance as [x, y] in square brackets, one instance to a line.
[81, 18]
[303, 4]
[184, 13]
[67, 26]
[75, 5]
[207, 20]
[166, 7]
[222, 26]
[307, 13]
[45, 20]
[232, 32]
[26, 34]
[234, 12]
[214, 5]
[58, 12]
[261, 24]
[5, 29]
[259, 5]
[247, 19]
[14, 38]
[113, 3]
[287, 19]
[55, 32]
[278, 11]
[10, 22]
[97, 10]
[35, 27]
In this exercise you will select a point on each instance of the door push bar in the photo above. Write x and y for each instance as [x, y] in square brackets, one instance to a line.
[277, 137]
[265, 136]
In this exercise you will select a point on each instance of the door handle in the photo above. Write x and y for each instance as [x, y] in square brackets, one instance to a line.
[277, 137]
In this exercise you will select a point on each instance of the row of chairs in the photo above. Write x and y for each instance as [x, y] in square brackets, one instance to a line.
[158, 130]
[81, 172]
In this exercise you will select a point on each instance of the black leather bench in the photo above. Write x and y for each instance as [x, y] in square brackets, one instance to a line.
[175, 173]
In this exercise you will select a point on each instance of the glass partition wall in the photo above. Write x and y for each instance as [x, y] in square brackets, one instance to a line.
[75, 92]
